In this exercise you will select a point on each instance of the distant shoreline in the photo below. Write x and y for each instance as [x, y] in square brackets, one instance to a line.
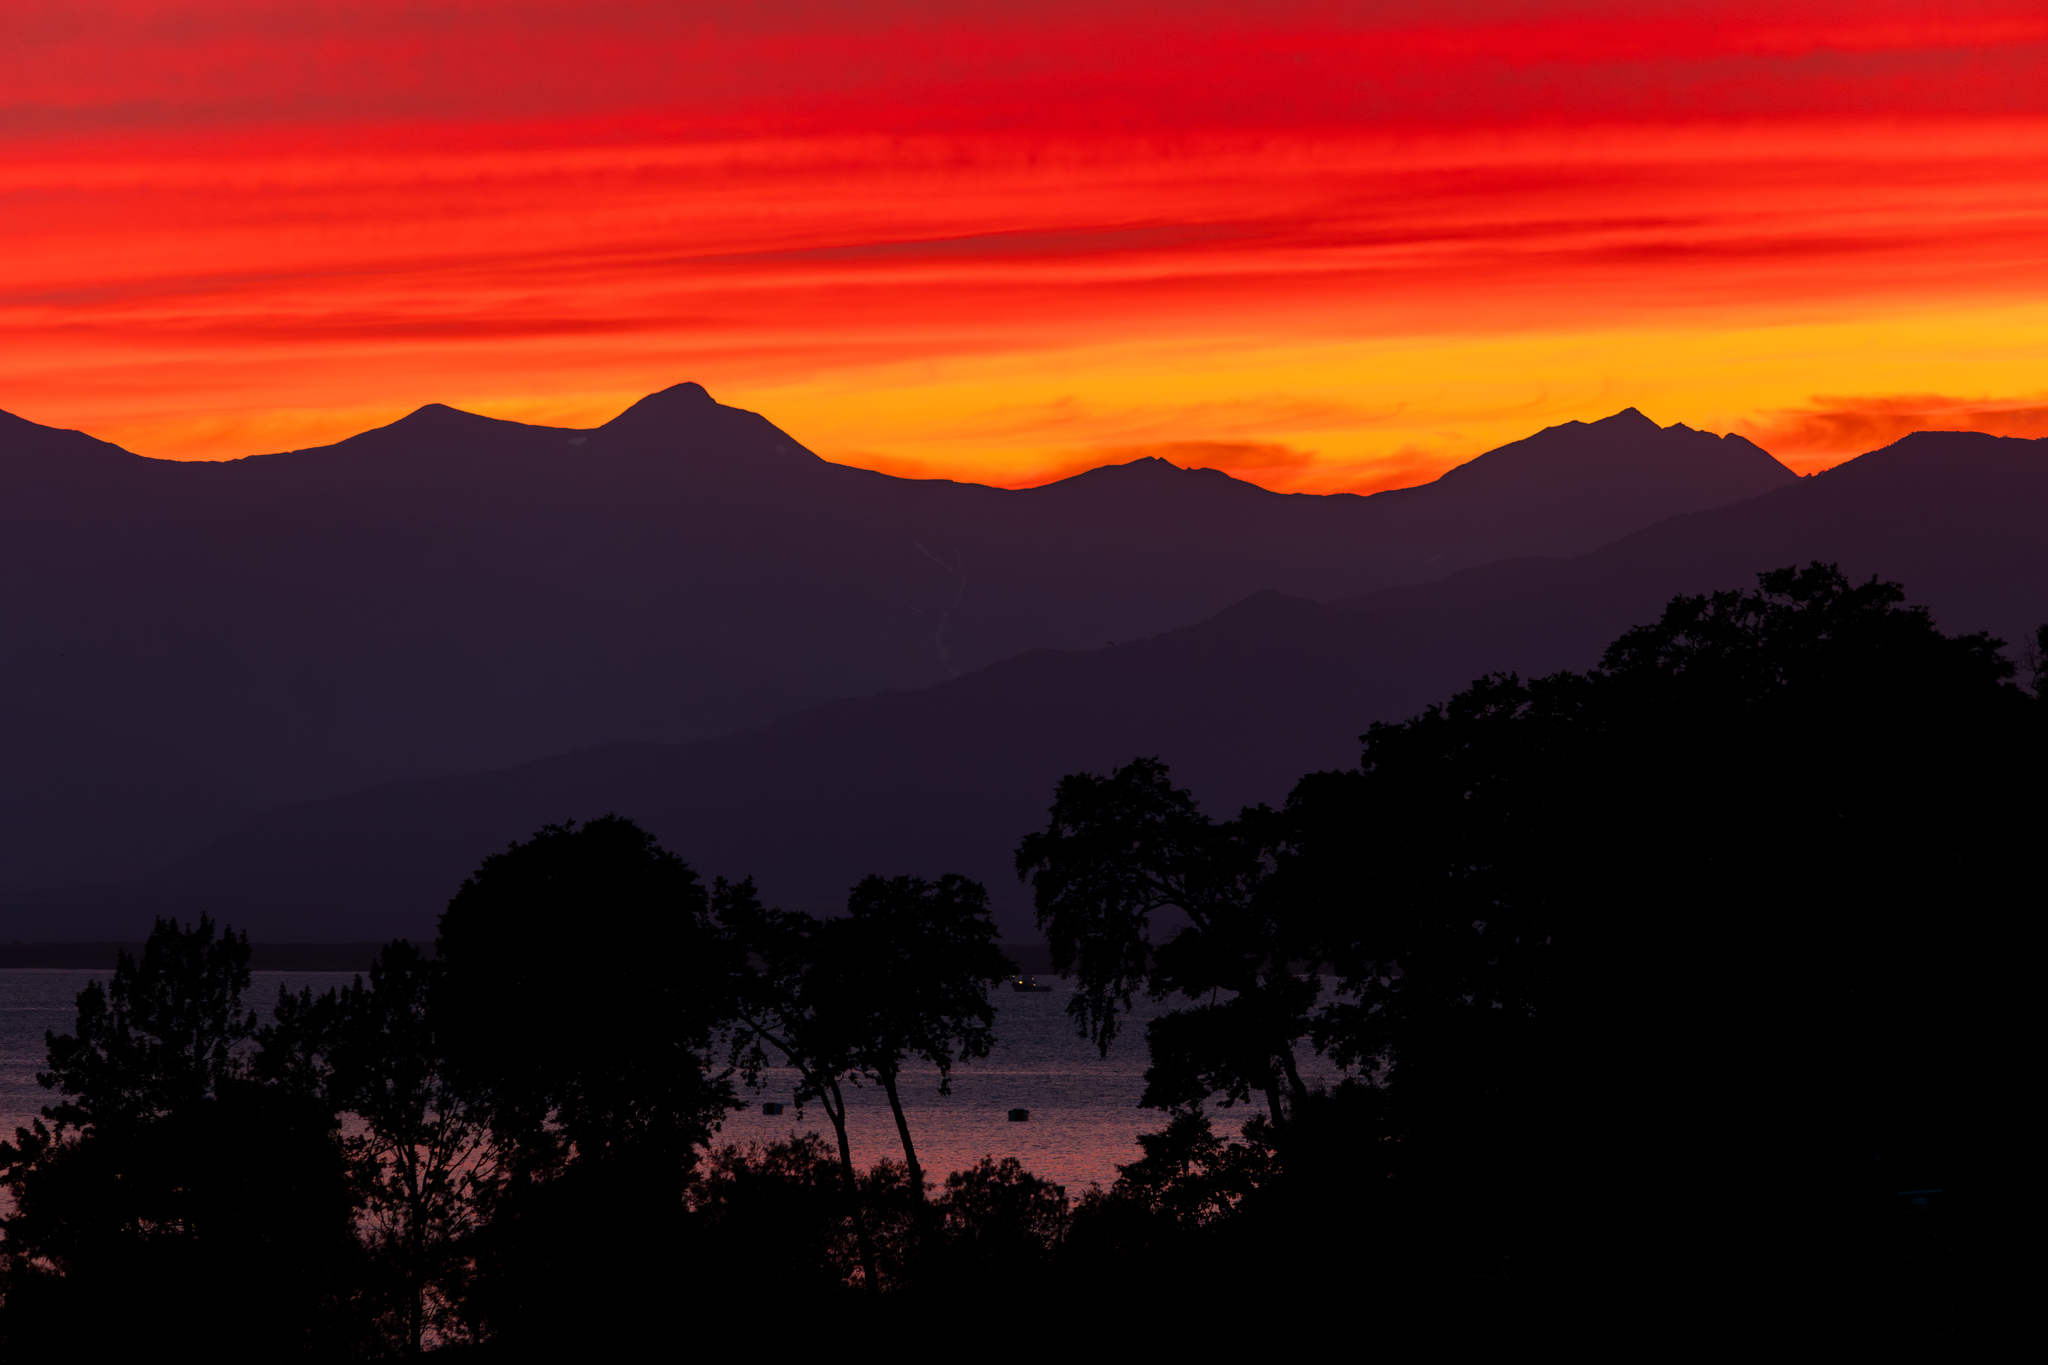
[263, 957]
[1034, 958]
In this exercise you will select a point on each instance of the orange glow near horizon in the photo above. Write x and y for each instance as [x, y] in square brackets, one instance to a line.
[1327, 248]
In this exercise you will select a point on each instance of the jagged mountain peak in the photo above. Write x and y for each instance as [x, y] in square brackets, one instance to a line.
[1627, 444]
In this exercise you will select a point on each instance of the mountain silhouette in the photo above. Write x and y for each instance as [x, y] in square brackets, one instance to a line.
[453, 593]
[946, 778]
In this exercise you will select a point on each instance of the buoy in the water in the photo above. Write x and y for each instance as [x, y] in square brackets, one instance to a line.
[1020, 1115]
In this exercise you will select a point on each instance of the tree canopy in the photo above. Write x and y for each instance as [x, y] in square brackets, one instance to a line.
[556, 1024]
[1737, 909]
[1121, 850]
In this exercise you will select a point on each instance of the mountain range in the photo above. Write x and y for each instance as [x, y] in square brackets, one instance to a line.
[1245, 637]
[191, 644]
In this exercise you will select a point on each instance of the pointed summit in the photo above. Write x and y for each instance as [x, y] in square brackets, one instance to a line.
[676, 397]
[679, 403]
[715, 440]
[431, 427]
[434, 417]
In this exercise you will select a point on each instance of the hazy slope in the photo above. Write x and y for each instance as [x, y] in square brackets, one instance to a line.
[947, 778]
[453, 593]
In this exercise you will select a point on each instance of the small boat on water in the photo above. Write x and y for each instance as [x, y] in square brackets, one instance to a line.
[1027, 983]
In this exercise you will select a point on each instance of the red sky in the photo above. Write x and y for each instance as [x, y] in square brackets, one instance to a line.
[1322, 245]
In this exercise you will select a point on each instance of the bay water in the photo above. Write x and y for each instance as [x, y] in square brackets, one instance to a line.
[1084, 1120]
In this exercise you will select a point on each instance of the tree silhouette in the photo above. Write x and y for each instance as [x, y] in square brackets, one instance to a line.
[1709, 949]
[798, 1003]
[427, 1162]
[1190, 1176]
[776, 1224]
[574, 1046]
[582, 986]
[912, 962]
[996, 1222]
[1757, 854]
[2035, 656]
[1118, 851]
[172, 1170]
[163, 1035]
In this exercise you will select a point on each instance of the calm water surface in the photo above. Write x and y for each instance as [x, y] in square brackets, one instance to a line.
[1084, 1115]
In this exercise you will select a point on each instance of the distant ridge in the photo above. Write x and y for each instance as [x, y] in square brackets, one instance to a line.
[1585, 480]
[190, 643]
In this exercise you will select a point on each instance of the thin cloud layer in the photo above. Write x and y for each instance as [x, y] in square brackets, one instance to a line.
[1845, 426]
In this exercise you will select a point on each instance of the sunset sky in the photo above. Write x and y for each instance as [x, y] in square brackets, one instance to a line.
[1323, 246]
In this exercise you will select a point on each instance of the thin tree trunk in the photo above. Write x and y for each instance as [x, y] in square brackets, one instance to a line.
[888, 1076]
[834, 1101]
[416, 1308]
[415, 1257]
[1294, 1082]
[1273, 1109]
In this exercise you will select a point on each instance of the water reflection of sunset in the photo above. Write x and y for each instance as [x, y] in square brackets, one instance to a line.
[1085, 1118]
[1327, 247]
